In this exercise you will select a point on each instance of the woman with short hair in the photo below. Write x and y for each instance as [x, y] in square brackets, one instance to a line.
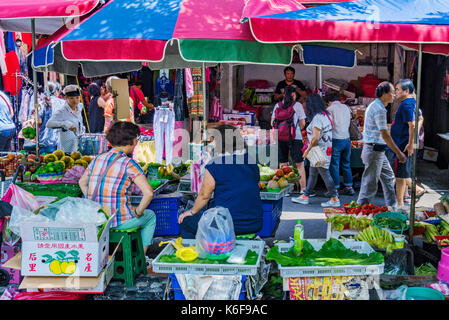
[109, 177]
[233, 177]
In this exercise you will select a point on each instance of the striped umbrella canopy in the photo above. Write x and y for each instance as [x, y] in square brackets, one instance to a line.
[167, 34]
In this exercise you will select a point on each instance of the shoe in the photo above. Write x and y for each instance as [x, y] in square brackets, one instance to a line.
[328, 195]
[301, 199]
[313, 194]
[348, 191]
[330, 203]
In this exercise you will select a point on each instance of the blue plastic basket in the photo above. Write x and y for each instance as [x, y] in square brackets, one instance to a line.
[272, 211]
[178, 295]
[166, 211]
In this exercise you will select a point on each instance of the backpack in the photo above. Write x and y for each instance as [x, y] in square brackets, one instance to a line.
[284, 122]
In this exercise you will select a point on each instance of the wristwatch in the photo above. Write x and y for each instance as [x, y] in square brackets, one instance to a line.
[191, 212]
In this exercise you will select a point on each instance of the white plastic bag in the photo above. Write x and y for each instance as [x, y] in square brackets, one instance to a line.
[316, 157]
[215, 237]
[20, 215]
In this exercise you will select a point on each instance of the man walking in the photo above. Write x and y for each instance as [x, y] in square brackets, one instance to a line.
[376, 138]
[341, 143]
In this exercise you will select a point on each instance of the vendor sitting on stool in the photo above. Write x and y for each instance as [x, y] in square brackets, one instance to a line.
[233, 177]
[108, 180]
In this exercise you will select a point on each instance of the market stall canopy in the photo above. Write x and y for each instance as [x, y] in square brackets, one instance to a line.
[180, 33]
[50, 15]
[382, 21]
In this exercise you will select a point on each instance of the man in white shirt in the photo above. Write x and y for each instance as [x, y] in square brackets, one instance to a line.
[341, 143]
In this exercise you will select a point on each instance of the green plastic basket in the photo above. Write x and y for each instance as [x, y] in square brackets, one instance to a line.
[423, 293]
[59, 190]
[397, 215]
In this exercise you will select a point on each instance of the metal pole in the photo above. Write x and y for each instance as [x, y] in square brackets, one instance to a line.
[36, 105]
[203, 71]
[320, 78]
[415, 146]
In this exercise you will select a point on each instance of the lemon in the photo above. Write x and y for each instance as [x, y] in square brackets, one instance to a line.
[68, 267]
[55, 267]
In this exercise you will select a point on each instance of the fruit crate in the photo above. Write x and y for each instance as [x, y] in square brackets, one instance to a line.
[272, 210]
[345, 270]
[177, 291]
[337, 234]
[166, 211]
[210, 269]
[277, 195]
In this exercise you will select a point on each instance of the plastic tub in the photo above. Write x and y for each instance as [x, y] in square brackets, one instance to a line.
[422, 293]
[443, 266]
[396, 215]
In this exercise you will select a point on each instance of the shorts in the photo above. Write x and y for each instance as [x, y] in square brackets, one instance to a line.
[295, 151]
[401, 170]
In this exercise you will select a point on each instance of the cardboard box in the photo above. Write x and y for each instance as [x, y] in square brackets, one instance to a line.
[58, 250]
[430, 154]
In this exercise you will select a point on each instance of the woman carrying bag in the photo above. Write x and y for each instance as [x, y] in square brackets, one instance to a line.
[319, 151]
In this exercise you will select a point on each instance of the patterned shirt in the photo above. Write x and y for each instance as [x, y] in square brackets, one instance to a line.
[375, 120]
[115, 188]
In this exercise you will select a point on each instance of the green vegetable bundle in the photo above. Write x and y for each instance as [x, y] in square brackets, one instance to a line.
[339, 222]
[379, 238]
[332, 253]
[391, 223]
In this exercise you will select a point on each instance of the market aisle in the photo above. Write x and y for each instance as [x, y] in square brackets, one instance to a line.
[435, 180]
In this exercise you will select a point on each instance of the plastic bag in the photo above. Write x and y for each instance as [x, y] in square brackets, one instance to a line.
[8, 236]
[215, 237]
[19, 197]
[398, 294]
[21, 215]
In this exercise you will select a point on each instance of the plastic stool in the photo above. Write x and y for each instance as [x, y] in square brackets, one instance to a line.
[250, 236]
[133, 258]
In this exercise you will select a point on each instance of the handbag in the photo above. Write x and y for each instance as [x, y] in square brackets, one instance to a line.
[354, 130]
[316, 157]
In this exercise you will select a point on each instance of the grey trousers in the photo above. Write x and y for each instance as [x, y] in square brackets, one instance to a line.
[377, 167]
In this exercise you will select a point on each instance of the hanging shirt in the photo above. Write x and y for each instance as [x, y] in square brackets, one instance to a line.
[6, 113]
[164, 84]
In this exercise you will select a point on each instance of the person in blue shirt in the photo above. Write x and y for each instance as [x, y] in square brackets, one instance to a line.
[7, 126]
[233, 177]
[402, 132]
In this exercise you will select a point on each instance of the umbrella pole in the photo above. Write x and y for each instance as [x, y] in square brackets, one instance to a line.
[36, 106]
[204, 105]
[415, 146]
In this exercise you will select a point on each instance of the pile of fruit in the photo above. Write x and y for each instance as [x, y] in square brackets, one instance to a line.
[278, 181]
[266, 173]
[344, 222]
[352, 207]
[10, 162]
[58, 161]
[379, 238]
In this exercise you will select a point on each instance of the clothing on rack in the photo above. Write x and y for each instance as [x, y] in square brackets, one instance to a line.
[195, 103]
[9, 79]
[216, 110]
[178, 99]
[163, 83]
[164, 128]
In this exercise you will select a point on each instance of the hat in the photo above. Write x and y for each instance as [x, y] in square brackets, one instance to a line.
[71, 91]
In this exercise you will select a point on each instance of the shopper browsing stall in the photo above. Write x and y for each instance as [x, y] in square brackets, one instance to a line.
[319, 133]
[7, 126]
[108, 180]
[142, 109]
[376, 138]
[341, 143]
[48, 137]
[290, 113]
[233, 177]
[289, 74]
[69, 120]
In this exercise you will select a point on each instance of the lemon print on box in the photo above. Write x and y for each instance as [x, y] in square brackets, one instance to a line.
[64, 263]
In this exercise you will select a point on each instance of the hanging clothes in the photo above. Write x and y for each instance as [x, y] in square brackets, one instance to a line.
[148, 83]
[216, 110]
[178, 99]
[164, 128]
[3, 66]
[10, 42]
[195, 103]
[188, 82]
[9, 79]
[164, 84]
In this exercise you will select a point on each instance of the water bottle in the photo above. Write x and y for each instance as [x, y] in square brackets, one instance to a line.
[298, 236]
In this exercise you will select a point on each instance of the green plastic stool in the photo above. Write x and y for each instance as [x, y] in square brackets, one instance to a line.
[133, 258]
[250, 236]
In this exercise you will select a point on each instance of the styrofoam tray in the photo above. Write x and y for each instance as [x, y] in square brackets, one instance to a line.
[345, 270]
[209, 269]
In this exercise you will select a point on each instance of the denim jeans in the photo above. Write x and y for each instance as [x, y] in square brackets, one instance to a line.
[313, 178]
[147, 222]
[341, 153]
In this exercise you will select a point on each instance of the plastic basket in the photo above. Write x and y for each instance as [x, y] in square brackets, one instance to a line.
[210, 269]
[166, 211]
[178, 295]
[397, 215]
[277, 195]
[345, 270]
[422, 293]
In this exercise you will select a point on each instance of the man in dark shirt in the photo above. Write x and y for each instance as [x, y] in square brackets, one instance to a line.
[290, 80]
